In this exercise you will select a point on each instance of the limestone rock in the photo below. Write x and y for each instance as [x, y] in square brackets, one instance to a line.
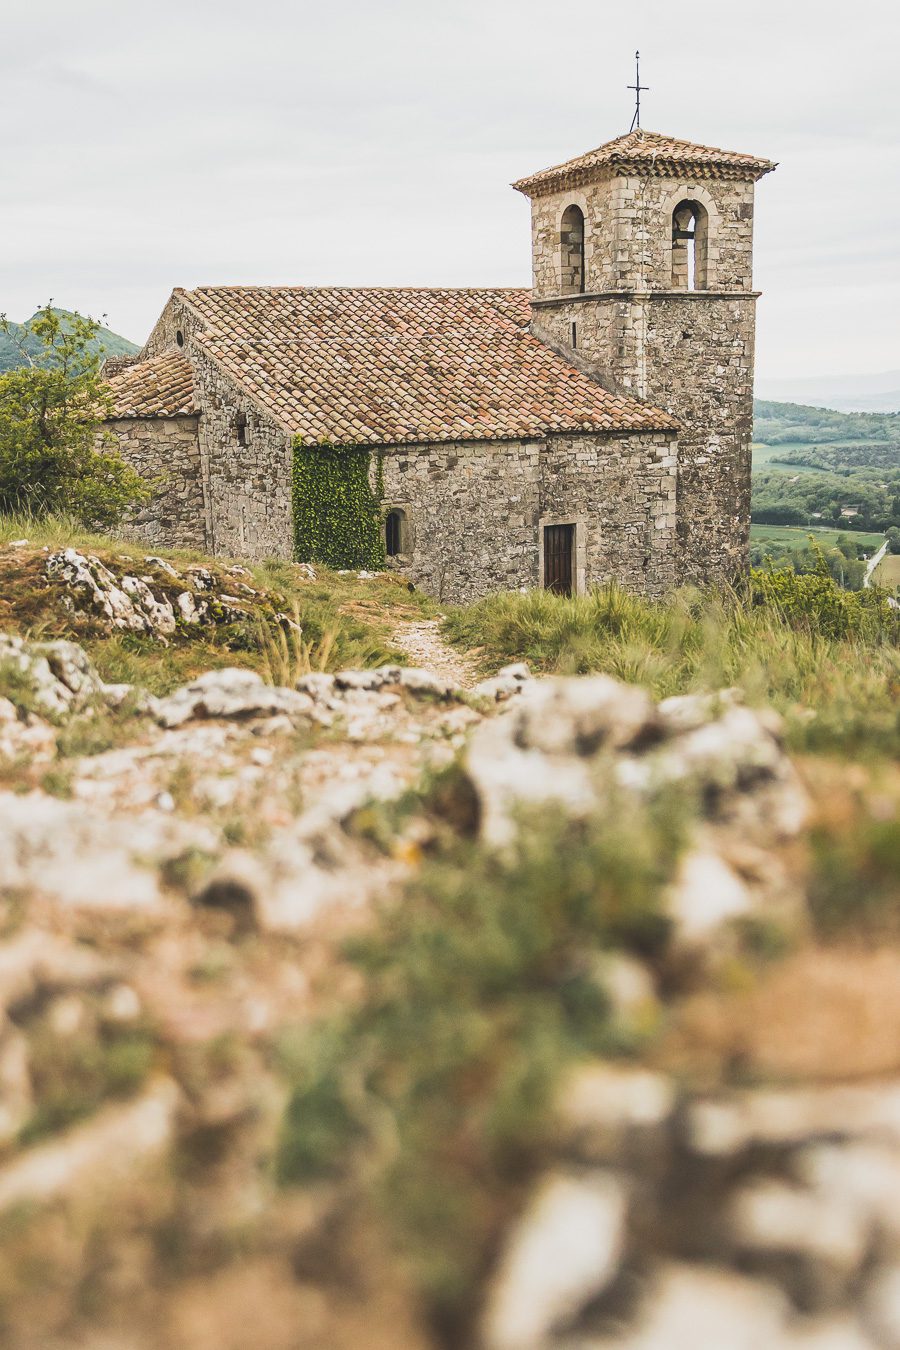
[75, 857]
[563, 1252]
[24, 736]
[92, 589]
[102, 1152]
[72, 667]
[705, 898]
[30, 681]
[583, 743]
[505, 684]
[231, 693]
[772, 1217]
[605, 1109]
[695, 1308]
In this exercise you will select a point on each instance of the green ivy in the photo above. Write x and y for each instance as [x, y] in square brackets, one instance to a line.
[337, 516]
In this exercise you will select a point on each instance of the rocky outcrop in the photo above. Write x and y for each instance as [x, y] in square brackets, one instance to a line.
[156, 603]
[677, 1219]
[583, 745]
[174, 918]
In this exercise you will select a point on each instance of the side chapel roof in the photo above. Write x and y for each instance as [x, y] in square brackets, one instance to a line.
[161, 386]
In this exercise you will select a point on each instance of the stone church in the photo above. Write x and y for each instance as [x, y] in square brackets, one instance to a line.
[595, 427]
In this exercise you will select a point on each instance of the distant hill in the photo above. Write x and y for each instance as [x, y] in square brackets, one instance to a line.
[845, 393]
[798, 424]
[111, 344]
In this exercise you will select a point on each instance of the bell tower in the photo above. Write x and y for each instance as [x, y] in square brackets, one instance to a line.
[642, 256]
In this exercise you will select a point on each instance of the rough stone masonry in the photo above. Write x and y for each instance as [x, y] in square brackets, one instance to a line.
[596, 428]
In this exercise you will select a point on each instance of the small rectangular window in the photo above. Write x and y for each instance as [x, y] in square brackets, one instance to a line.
[574, 336]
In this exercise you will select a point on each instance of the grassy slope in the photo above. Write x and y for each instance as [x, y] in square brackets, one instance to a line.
[839, 695]
[346, 621]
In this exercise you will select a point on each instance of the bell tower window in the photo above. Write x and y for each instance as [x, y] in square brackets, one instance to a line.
[690, 240]
[571, 239]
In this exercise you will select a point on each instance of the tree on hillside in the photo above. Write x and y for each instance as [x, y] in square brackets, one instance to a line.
[53, 457]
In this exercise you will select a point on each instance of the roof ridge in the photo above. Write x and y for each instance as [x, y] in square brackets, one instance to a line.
[303, 289]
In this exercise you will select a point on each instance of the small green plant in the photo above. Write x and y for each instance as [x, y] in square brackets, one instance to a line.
[480, 987]
[855, 880]
[76, 1070]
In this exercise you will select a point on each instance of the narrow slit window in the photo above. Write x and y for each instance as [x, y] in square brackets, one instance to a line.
[574, 336]
[393, 533]
[240, 426]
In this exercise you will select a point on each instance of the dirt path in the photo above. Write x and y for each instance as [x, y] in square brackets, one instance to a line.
[423, 644]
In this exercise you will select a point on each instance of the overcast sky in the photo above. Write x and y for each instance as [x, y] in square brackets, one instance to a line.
[183, 143]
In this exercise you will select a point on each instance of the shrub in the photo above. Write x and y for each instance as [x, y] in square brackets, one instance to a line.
[51, 417]
[480, 988]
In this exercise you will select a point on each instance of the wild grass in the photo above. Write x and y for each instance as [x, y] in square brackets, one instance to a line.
[344, 621]
[838, 693]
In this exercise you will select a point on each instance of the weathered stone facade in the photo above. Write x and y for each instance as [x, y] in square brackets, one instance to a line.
[165, 451]
[246, 459]
[618, 492]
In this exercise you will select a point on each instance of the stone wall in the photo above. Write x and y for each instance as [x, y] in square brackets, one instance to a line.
[687, 351]
[475, 512]
[165, 451]
[691, 353]
[247, 463]
[245, 457]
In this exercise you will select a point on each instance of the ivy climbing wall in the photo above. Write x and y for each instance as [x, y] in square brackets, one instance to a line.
[337, 510]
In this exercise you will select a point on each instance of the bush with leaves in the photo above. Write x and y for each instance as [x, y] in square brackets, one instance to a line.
[52, 409]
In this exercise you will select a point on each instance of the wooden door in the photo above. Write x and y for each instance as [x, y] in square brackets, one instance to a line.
[559, 545]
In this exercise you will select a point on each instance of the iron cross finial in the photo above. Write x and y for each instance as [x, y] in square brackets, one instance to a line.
[638, 89]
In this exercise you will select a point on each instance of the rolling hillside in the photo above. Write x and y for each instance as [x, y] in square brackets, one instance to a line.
[11, 357]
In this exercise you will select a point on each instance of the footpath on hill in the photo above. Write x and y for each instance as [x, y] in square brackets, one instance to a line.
[423, 644]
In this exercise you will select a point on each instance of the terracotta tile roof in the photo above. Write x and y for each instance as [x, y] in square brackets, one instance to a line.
[370, 367]
[642, 151]
[162, 386]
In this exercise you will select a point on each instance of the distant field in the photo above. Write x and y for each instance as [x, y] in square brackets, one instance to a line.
[796, 536]
[771, 457]
[887, 572]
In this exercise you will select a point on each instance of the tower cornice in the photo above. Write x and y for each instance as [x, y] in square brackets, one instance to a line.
[646, 154]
